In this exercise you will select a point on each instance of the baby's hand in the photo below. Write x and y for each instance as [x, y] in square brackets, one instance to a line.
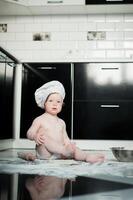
[39, 138]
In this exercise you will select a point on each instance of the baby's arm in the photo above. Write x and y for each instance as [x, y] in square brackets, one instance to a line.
[35, 132]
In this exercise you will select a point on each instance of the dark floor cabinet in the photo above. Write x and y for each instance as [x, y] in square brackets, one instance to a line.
[103, 101]
[34, 76]
[6, 100]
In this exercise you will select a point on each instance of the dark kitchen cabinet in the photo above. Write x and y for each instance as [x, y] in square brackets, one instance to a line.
[108, 2]
[103, 120]
[103, 81]
[35, 75]
[103, 101]
[6, 100]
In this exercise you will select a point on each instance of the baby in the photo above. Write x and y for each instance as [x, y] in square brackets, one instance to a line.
[46, 187]
[49, 131]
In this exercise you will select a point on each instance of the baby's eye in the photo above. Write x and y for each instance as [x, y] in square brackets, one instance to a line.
[50, 100]
[58, 101]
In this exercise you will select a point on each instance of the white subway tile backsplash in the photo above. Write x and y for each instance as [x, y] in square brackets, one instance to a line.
[77, 36]
[59, 36]
[114, 35]
[128, 35]
[69, 27]
[78, 18]
[24, 20]
[115, 53]
[105, 44]
[15, 28]
[114, 18]
[33, 45]
[124, 44]
[15, 45]
[128, 17]
[7, 36]
[95, 54]
[129, 54]
[69, 45]
[128, 26]
[41, 19]
[50, 45]
[128, 44]
[87, 45]
[50, 27]
[69, 36]
[119, 44]
[23, 36]
[96, 18]
[106, 26]
[33, 27]
[25, 55]
[90, 26]
[3, 44]
[60, 19]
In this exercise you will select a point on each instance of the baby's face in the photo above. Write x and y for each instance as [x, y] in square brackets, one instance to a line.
[53, 105]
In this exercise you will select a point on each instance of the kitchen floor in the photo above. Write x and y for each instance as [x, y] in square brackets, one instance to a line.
[48, 180]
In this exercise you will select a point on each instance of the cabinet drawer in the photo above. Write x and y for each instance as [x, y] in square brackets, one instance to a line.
[64, 2]
[103, 81]
[103, 120]
[108, 1]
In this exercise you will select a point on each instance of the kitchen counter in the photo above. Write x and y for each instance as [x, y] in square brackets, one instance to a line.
[79, 60]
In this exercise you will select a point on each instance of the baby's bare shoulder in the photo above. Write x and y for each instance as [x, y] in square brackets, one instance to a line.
[62, 121]
[40, 119]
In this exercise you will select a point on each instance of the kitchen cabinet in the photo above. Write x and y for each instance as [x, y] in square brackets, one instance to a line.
[6, 99]
[108, 2]
[103, 101]
[103, 120]
[63, 2]
[35, 75]
[104, 81]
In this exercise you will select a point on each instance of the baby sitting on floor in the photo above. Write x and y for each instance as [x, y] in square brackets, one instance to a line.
[49, 131]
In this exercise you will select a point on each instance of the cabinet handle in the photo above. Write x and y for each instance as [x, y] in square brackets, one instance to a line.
[46, 67]
[114, 0]
[54, 2]
[110, 68]
[109, 106]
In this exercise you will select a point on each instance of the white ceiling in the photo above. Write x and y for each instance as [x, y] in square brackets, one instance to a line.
[17, 7]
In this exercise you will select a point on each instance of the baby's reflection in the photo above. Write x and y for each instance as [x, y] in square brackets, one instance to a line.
[46, 187]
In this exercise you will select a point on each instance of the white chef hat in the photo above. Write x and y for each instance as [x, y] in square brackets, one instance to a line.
[45, 90]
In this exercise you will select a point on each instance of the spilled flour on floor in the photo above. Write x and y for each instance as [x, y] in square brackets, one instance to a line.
[69, 168]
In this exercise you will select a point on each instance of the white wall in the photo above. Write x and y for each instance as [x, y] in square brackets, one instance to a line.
[69, 37]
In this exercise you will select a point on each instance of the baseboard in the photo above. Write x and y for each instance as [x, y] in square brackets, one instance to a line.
[82, 144]
[6, 144]
[23, 144]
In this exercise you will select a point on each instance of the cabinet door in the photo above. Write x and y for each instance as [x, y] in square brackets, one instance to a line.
[34, 76]
[108, 1]
[2, 92]
[63, 2]
[6, 100]
[103, 120]
[103, 81]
